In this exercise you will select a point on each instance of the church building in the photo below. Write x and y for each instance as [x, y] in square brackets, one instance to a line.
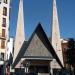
[38, 55]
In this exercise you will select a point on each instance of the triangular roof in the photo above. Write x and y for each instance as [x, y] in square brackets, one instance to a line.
[42, 36]
[37, 48]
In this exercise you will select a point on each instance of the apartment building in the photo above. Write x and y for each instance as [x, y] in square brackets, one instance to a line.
[4, 27]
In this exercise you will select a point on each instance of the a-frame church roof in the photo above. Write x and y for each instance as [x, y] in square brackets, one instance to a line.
[38, 46]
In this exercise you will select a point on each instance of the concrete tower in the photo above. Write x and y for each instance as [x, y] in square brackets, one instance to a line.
[20, 37]
[56, 42]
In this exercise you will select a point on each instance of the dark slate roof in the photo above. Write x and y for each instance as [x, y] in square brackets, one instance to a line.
[37, 49]
[42, 36]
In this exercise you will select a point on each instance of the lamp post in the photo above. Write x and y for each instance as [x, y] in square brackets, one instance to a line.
[4, 68]
[21, 68]
[27, 67]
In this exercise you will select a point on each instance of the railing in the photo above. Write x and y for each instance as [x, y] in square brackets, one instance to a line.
[62, 72]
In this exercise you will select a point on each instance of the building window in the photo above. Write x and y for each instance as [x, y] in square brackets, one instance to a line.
[2, 56]
[3, 32]
[2, 44]
[4, 22]
[4, 11]
[5, 1]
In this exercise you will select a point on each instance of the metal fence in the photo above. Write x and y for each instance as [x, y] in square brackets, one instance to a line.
[55, 72]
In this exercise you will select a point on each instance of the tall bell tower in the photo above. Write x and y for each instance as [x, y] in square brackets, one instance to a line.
[20, 37]
[55, 34]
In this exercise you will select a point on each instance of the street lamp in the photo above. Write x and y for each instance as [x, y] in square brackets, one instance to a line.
[27, 67]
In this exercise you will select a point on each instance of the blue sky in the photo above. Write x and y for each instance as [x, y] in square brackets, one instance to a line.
[36, 11]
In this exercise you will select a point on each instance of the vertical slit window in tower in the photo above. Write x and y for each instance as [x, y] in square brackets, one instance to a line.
[4, 11]
[4, 22]
[3, 32]
[5, 1]
[2, 44]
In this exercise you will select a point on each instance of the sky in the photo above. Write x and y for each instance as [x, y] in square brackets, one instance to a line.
[36, 11]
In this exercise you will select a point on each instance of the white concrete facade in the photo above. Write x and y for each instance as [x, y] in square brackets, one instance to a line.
[4, 29]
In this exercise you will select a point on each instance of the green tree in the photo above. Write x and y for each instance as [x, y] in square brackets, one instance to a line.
[71, 51]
